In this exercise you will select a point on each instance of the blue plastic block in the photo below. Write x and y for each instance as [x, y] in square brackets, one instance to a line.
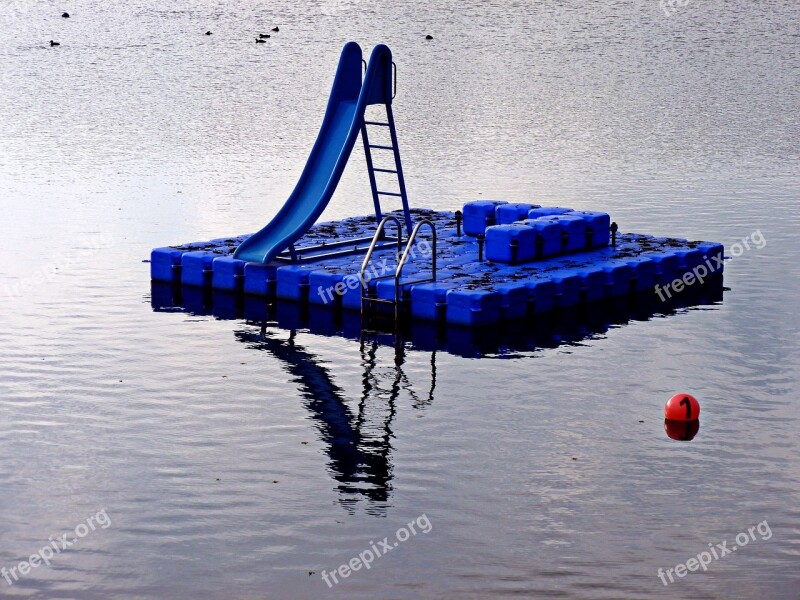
[384, 288]
[547, 211]
[713, 255]
[513, 300]
[543, 294]
[568, 288]
[479, 214]
[322, 287]
[196, 268]
[573, 227]
[351, 299]
[165, 264]
[227, 274]
[259, 279]
[619, 278]
[502, 239]
[292, 282]
[598, 224]
[511, 213]
[689, 258]
[644, 272]
[429, 301]
[473, 307]
[332, 289]
[548, 236]
[593, 283]
[668, 266]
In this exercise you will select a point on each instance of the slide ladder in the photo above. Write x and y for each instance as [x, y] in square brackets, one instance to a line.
[397, 171]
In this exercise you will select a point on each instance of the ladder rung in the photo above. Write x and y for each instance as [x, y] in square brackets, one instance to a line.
[390, 194]
[384, 170]
[381, 147]
[379, 300]
[376, 123]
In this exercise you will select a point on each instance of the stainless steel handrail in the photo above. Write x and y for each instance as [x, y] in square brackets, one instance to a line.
[375, 239]
[398, 274]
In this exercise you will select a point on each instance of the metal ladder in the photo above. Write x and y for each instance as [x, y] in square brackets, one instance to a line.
[366, 298]
[395, 150]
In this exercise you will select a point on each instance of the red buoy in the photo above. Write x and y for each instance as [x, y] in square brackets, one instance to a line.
[682, 407]
[683, 431]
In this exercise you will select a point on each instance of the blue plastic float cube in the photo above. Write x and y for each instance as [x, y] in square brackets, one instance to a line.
[511, 244]
[259, 279]
[479, 214]
[513, 300]
[512, 212]
[334, 289]
[429, 301]
[292, 282]
[473, 308]
[568, 288]
[573, 231]
[593, 283]
[165, 264]
[227, 273]
[543, 294]
[548, 236]
[619, 278]
[196, 268]
[598, 225]
[384, 288]
[668, 266]
[644, 273]
[713, 255]
[547, 211]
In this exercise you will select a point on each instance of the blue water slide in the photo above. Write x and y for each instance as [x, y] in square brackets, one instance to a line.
[337, 136]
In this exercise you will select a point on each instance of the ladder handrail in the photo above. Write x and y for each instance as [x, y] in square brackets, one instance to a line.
[409, 246]
[368, 257]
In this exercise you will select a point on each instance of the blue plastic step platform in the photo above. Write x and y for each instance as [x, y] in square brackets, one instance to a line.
[547, 258]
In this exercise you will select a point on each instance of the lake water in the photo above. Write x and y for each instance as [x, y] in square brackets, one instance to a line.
[236, 463]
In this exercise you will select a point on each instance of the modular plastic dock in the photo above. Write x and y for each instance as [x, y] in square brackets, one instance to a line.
[529, 266]
[496, 261]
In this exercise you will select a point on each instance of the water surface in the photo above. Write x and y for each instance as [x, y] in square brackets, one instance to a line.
[239, 463]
